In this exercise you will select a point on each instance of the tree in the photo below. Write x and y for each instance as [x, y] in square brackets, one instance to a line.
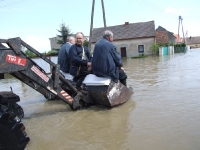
[86, 43]
[64, 33]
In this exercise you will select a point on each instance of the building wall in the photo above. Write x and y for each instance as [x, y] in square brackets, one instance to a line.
[161, 37]
[194, 45]
[53, 43]
[132, 46]
[171, 38]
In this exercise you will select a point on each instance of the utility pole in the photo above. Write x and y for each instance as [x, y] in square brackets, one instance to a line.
[104, 18]
[178, 26]
[91, 25]
[183, 31]
[180, 20]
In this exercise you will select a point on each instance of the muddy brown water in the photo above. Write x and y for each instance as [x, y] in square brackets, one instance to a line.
[163, 113]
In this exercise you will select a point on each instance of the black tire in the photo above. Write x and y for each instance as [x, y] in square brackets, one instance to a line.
[12, 131]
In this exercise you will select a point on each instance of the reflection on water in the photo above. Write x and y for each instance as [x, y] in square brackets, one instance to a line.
[162, 114]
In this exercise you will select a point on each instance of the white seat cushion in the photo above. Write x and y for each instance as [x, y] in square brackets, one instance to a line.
[67, 76]
[92, 79]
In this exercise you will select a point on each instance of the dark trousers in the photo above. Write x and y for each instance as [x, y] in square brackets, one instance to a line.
[82, 74]
[122, 77]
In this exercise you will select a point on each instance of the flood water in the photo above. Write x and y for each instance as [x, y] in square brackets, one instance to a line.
[162, 114]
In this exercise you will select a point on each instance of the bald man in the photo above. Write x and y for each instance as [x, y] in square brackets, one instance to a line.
[106, 61]
[63, 56]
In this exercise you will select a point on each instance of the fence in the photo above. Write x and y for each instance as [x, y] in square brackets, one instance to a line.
[170, 50]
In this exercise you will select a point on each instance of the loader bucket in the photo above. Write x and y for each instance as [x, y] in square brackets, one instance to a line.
[112, 95]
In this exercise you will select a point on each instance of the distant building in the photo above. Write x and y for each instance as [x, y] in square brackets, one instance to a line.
[163, 36]
[178, 39]
[131, 39]
[53, 43]
[193, 42]
[55, 46]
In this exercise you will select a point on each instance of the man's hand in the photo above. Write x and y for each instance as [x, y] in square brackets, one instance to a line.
[122, 69]
[89, 66]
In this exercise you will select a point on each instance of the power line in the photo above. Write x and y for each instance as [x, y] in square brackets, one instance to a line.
[152, 8]
[10, 4]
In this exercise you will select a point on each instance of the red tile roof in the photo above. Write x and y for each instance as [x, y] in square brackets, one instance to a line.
[178, 39]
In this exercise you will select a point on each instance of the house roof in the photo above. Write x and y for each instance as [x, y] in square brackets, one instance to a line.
[163, 29]
[160, 29]
[192, 40]
[2, 46]
[127, 31]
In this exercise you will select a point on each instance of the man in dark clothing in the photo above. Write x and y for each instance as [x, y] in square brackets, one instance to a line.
[80, 57]
[63, 56]
[106, 61]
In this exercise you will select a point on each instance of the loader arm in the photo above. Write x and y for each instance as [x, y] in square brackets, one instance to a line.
[15, 62]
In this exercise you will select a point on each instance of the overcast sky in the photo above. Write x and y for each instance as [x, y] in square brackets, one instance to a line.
[36, 21]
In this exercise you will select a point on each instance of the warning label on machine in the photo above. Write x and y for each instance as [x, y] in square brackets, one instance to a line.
[15, 60]
[39, 73]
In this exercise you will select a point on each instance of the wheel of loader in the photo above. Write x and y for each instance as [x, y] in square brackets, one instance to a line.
[16, 109]
[12, 131]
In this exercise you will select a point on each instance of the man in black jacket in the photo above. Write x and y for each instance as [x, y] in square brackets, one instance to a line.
[80, 57]
[106, 61]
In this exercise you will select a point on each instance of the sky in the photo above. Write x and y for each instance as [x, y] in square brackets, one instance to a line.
[36, 21]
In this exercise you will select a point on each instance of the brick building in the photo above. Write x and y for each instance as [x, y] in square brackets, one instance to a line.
[163, 36]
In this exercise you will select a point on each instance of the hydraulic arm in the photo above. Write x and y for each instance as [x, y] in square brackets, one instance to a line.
[55, 86]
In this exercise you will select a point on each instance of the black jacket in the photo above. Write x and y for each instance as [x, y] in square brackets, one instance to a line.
[63, 57]
[106, 60]
[75, 54]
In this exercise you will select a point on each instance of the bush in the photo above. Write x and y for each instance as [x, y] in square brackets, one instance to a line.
[85, 43]
[30, 53]
[170, 44]
[180, 48]
[52, 53]
[154, 48]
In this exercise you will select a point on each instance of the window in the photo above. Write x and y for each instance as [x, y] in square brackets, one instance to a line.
[141, 48]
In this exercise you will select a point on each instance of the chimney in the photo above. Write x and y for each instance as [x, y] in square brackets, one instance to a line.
[126, 23]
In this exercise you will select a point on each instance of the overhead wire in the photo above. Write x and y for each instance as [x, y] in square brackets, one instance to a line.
[151, 7]
[12, 3]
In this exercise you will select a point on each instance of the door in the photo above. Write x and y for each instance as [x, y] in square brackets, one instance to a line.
[123, 52]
